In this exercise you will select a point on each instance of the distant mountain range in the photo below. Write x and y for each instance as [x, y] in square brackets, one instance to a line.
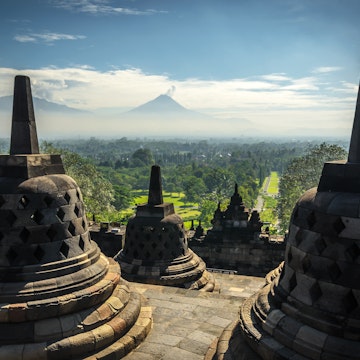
[162, 116]
[6, 104]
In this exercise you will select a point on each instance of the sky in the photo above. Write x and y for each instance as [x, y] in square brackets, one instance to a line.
[265, 67]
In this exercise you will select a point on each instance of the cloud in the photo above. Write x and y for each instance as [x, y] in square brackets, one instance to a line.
[100, 7]
[270, 105]
[25, 38]
[306, 83]
[47, 37]
[326, 69]
[91, 89]
[276, 77]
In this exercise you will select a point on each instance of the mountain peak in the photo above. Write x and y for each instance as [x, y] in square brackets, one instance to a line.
[163, 103]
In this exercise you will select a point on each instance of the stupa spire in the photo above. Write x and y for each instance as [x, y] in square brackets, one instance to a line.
[354, 150]
[24, 138]
[155, 188]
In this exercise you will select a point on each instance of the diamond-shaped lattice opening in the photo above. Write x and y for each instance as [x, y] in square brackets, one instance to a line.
[83, 224]
[148, 237]
[1, 236]
[315, 292]
[154, 245]
[161, 255]
[292, 282]
[299, 237]
[135, 254]
[173, 254]
[24, 235]
[48, 200]
[166, 245]
[147, 255]
[67, 198]
[334, 271]
[81, 243]
[37, 216]
[350, 302]
[2, 201]
[141, 245]
[64, 249]
[10, 218]
[353, 252]
[60, 214]
[311, 220]
[289, 256]
[306, 263]
[39, 253]
[338, 225]
[72, 229]
[320, 245]
[164, 229]
[76, 211]
[23, 202]
[51, 233]
[78, 195]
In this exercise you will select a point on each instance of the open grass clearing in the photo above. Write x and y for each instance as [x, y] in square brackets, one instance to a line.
[273, 187]
[186, 210]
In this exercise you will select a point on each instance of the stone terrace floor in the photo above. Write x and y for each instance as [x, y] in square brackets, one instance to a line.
[188, 323]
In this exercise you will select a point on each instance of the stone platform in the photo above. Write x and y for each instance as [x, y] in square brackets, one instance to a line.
[187, 324]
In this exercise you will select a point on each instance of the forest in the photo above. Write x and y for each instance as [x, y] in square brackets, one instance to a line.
[112, 172]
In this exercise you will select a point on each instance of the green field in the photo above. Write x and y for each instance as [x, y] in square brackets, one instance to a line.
[269, 215]
[187, 211]
[273, 187]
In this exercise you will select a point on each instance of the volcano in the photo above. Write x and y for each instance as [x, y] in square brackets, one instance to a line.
[164, 106]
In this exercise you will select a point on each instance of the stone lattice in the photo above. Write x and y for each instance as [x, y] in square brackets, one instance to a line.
[60, 297]
[311, 309]
[156, 248]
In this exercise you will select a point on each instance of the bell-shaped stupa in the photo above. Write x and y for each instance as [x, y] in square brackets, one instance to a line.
[311, 309]
[156, 248]
[60, 297]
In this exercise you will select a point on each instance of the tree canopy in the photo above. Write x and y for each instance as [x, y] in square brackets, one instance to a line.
[98, 193]
[301, 174]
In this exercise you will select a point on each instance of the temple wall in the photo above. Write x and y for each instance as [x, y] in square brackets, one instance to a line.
[246, 259]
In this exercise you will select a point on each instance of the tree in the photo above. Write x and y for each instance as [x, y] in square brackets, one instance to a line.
[194, 188]
[98, 193]
[301, 174]
[142, 157]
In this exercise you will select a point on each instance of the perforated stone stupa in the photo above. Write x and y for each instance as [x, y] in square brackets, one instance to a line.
[156, 249]
[60, 297]
[311, 309]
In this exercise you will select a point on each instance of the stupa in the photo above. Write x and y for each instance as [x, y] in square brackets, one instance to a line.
[60, 297]
[311, 309]
[156, 248]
